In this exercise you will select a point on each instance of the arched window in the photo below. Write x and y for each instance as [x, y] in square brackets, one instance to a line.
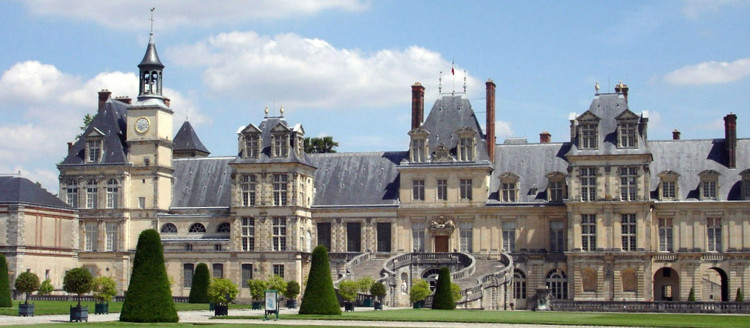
[225, 227]
[168, 228]
[113, 193]
[197, 228]
[519, 284]
[557, 282]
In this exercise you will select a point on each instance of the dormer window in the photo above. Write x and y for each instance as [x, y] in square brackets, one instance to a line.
[466, 144]
[589, 136]
[556, 190]
[509, 186]
[627, 134]
[418, 149]
[252, 146]
[745, 184]
[668, 186]
[709, 185]
[280, 145]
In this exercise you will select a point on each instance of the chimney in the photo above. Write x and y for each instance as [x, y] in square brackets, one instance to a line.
[676, 134]
[417, 105]
[103, 96]
[124, 99]
[545, 137]
[70, 147]
[490, 126]
[622, 88]
[167, 101]
[730, 139]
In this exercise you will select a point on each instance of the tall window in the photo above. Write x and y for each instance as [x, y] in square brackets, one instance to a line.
[668, 190]
[71, 193]
[353, 237]
[467, 237]
[665, 235]
[465, 189]
[556, 236]
[187, 271]
[247, 274]
[248, 190]
[557, 282]
[709, 189]
[556, 189]
[95, 151]
[466, 149]
[519, 284]
[111, 242]
[417, 236]
[418, 150]
[280, 145]
[251, 146]
[627, 232]
[509, 191]
[278, 269]
[509, 237]
[588, 183]
[714, 234]
[417, 190]
[113, 193]
[628, 178]
[627, 135]
[442, 189]
[589, 136]
[279, 189]
[588, 232]
[279, 234]
[92, 235]
[92, 191]
[248, 234]
[218, 270]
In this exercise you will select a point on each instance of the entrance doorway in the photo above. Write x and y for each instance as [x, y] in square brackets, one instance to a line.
[441, 244]
[666, 285]
[715, 286]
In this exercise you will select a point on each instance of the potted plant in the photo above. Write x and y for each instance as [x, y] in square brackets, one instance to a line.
[348, 291]
[104, 289]
[420, 289]
[257, 292]
[377, 290]
[363, 286]
[222, 292]
[291, 292]
[78, 281]
[27, 283]
[46, 287]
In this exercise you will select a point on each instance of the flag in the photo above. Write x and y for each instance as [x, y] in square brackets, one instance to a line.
[453, 72]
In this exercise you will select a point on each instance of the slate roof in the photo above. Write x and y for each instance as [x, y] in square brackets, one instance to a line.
[18, 190]
[531, 163]
[187, 140]
[202, 182]
[265, 155]
[111, 121]
[151, 57]
[448, 115]
[350, 179]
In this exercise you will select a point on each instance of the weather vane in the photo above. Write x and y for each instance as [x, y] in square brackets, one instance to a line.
[464, 81]
[440, 84]
[152, 22]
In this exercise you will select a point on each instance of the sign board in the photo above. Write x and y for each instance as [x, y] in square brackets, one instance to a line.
[272, 303]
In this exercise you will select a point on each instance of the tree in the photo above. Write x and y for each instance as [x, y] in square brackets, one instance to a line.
[320, 297]
[364, 284]
[691, 296]
[292, 289]
[420, 289]
[222, 291]
[86, 121]
[320, 145]
[348, 290]
[277, 283]
[257, 289]
[104, 289]
[199, 288]
[740, 297]
[149, 297]
[378, 290]
[27, 283]
[5, 300]
[46, 287]
[77, 281]
[443, 299]
[455, 291]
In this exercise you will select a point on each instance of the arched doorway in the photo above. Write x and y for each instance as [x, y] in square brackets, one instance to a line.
[666, 285]
[431, 276]
[557, 282]
[715, 285]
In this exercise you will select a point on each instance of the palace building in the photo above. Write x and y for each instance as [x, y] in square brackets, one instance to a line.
[607, 215]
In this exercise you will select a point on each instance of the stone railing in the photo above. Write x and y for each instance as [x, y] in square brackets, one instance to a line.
[665, 257]
[667, 307]
[466, 261]
[502, 277]
[350, 265]
[89, 298]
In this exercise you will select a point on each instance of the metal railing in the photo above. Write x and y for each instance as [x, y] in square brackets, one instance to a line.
[634, 306]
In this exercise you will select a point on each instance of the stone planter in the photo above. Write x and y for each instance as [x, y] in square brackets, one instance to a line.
[79, 313]
[211, 306]
[367, 302]
[101, 308]
[257, 305]
[291, 304]
[221, 310]
[378, 306]
[25, 310]
[348, 306]
[418, 305]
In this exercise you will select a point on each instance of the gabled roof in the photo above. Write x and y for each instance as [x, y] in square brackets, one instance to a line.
[202, 182]
[268, 126]
[18, 190]
[187, 140]
[110, 122]
[531, 163]
[448, 115]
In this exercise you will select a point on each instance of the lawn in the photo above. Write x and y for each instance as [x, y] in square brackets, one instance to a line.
[179, 325]
[63, 307]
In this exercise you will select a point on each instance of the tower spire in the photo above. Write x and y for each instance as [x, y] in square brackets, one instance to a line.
[150, 69]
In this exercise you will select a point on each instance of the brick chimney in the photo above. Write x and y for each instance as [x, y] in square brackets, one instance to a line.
[103, 96]
[417, 105]
[124, 99]
[70, 147]
[622, 88]
[730, 139]
[676, 134]
[545, 137]
[490, 126]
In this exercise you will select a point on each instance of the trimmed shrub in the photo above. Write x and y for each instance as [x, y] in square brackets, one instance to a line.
[348, 290]
[104, 289]
[78, 281]
[364, 284]
[149, 297]
[292, 289]
[277, 283]
[222, 291]
[27, 283]
[443, 299]
[420, 289]
[46, 287]
[740, 297]
[691, 296]
[378, 290]
[199, 288]
[455, 292]
[320, 297]
[257, 289]
[5, 300]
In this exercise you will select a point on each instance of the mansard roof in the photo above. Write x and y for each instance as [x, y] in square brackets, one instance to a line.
[202, 182]
[532, 163]
[111, 122]
[187, 140]
[269, 126]
[448, 115]
[351, 179]
[18, 190]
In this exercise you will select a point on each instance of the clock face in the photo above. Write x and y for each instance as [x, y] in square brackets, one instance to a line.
[141, 125]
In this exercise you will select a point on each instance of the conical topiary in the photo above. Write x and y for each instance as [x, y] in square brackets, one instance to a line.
[691, 296]
[740, 297]
[199, 288]
[320, 297]
[443, 299]
[149, 298]
[5, 300]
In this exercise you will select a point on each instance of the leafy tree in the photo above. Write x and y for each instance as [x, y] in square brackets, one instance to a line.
[27, 283]
[5, 300]
[78, 281]
[740, 297]
[443, 299]
[199, 288]
[378, 290]
[257, 289]
[46, 287]
[292, 289]
[320, 145]
[691, 296]
[104, 289]
[277, 283]
[320, 297]
[222, 291]
[364, 284]
[348, 290]
[86, 121]
[420, 289]
[149, 297]
[455, 291]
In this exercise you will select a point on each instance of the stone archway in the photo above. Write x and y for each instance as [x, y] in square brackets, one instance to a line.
[666, 285]
[715, 285]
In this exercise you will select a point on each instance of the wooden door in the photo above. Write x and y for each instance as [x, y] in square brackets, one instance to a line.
[441, 244]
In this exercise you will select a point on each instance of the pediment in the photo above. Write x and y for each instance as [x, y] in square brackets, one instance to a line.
[95, 133]
[299, 129]
[280, 128]
[588, 116]
[627, 115]
[251, 129]
[419, 132]
[709, 173]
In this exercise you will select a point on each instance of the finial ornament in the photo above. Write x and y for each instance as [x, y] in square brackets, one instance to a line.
[596, 86]
[281, 110]
[440, 83]
[266, 111]
[464, 81]
[151, 35]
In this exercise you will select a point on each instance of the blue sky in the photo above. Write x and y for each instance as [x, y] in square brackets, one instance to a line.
[344, 67]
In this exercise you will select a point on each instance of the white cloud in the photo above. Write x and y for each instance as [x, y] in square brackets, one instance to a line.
[693, 9]
[711, 72]
[503, 129]
[172, 14]
[295, 71]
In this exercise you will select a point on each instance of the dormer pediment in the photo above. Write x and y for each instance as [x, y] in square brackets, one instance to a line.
[419, 132]
[627, 115]
[250, 129]
[298, 129]
[709, 173]
[466, 132]
[509, 177]
[668, 173]
[588, 116]
[95, 133]
[280, 128]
